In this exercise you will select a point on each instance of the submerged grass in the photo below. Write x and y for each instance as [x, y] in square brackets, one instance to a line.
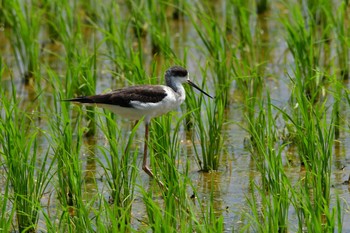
[70, 47]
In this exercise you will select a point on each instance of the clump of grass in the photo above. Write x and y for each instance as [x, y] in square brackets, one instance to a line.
[183, 214]
[270, 212]
[69, 173]
[91, 9]
[66, 149]
[6, 216]
[338, 94]
[121, 171]
[87, 76]
[139, 23]
[80, 63]
[27, 179]
[115, 37]
[317, 13]
[62, 23]
[314, 138]
[24, 20]
[217, 45]
[209, 134]
[342, 42]
[178, 6]
[127, 58]
[159, 28]
[166, 152]
[247, 70]
[306, 46]
[209, 219]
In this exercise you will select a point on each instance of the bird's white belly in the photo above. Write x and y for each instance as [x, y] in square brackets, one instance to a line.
[141, 109]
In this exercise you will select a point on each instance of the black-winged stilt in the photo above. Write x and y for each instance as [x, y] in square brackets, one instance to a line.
[145, 101]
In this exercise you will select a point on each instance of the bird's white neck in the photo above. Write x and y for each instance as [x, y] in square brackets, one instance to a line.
[175, 83]
[181, 93]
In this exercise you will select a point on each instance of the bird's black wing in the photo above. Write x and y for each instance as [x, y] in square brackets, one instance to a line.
[123, 97]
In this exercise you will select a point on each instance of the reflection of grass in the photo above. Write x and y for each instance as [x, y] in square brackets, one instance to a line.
[42, 149]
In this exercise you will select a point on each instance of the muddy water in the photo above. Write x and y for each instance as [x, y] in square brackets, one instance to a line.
[237, 169]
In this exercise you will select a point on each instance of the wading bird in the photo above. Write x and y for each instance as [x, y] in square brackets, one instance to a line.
[145, 101]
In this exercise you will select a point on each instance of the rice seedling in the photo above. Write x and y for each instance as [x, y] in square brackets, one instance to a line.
[115, 30]
[243, 18]
[166, 148]
[6, 215]
[138, 19]
[210, 219]
[159, 28]
[183, 214]
[81, 64]
[317, 13]
[121, 171]
[20, 151]
[24, 20]
[174, 214]
[86, 72]
[73, 211]
[314, 141]
[212, 35]
[306, 46]
[75, 214]
[210, 32]
[247, 68]
[64, 22]
[91, 10]
[208, 134]
[342, 42]
[270, 211]
[338, 95]
[97, 44]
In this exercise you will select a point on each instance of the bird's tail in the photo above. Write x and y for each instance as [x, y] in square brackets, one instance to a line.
[82, 100]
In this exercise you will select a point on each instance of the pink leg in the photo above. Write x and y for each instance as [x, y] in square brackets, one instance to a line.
[144, 163]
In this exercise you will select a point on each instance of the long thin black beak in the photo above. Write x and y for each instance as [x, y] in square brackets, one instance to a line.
[195, 86]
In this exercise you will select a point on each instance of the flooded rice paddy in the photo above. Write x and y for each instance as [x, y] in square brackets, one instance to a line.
[81, 48]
